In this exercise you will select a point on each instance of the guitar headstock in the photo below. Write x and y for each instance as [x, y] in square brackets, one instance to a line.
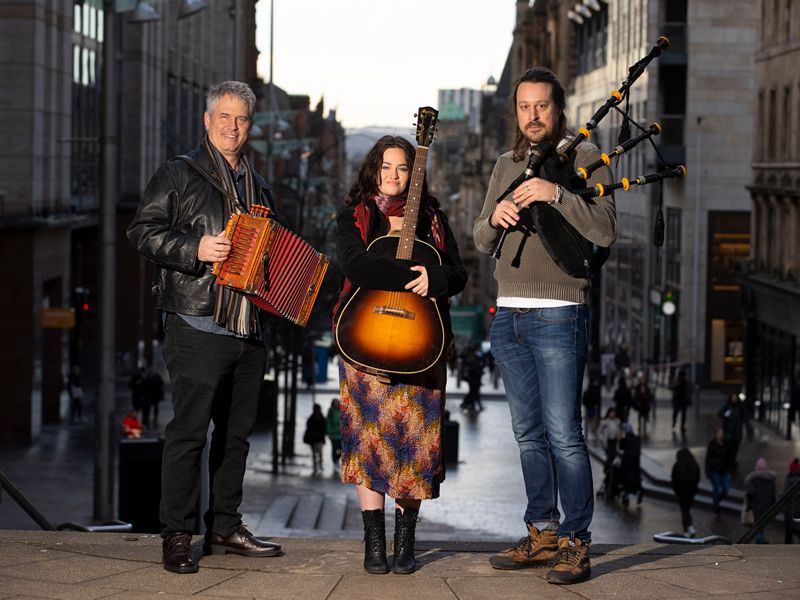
[427, 118]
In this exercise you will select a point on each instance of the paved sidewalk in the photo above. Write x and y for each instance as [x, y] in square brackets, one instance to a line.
[126, 566]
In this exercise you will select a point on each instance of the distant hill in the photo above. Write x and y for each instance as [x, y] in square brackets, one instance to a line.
[361, 139]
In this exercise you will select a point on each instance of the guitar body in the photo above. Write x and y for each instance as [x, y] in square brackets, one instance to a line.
[392, 332]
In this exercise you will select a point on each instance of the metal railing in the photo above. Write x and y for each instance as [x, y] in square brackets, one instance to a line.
[26, 505]
[780, 505]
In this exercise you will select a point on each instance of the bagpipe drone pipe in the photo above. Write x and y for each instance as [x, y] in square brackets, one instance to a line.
[571, 251]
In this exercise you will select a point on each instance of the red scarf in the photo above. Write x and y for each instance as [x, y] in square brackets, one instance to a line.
[389, 206]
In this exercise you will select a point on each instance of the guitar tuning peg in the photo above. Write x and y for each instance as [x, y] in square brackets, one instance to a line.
[415, 115]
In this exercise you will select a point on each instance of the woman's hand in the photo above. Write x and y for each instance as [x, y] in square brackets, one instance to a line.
[534, 190]
[420, 284]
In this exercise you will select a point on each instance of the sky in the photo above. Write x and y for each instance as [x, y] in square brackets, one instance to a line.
[377, 61]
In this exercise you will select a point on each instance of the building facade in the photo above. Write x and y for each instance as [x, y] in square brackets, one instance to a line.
[771, 281]
[52, 183]
[706, 214]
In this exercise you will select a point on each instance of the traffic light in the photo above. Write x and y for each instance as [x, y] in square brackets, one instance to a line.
[492, 310]
[669, 303]
[84, 302]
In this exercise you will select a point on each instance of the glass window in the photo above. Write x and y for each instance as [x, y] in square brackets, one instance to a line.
[76, 17]
[76, 64]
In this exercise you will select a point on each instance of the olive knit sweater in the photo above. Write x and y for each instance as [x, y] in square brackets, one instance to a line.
[538, 276]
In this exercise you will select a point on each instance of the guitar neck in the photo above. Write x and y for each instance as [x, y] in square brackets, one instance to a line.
[413, 200]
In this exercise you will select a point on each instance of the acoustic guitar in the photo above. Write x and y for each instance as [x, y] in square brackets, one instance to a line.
[385, 332]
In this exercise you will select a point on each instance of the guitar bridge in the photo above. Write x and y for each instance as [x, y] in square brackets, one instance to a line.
[394, 312]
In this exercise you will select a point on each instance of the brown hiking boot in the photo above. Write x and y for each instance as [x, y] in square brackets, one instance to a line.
[572, 564]
[538, 549]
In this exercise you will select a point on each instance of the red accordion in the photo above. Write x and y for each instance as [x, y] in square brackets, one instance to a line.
[294, 269]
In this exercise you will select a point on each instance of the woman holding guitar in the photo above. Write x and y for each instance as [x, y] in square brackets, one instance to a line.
[391, 408]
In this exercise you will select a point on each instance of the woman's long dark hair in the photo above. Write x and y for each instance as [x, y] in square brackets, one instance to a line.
[366, 184]
[559, 97]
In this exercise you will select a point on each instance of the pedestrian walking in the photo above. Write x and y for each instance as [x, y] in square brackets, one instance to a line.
[153, 393]
[792, 514]
[630, 450]
[609, 434]
[761, 492]
[643, 402]
[735, 419]
[214, 350]
[75, 395]
[681, 400]
[592, 400]
[333, 427]
[719, 466]
[539, 335]
[392, 426]
[473, 373]
[136, 385]
[623, 399]
[314, 436]
[685, 481]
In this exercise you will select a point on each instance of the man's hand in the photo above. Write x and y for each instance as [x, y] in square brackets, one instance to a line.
[504, 215]
[214, 248]
[534, 190]
[420, 284]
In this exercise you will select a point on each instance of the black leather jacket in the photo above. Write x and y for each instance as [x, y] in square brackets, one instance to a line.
[178, 207]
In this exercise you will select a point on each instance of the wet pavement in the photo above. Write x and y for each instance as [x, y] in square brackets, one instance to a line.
[482, 498]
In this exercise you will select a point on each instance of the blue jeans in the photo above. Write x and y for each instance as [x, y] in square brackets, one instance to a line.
[542, 355]
[721, 483]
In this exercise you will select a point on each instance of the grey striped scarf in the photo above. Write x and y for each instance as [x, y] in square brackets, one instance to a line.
[232, 309]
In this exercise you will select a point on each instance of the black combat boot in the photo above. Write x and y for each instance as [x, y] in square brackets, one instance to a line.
[405, 524]
[374, 542]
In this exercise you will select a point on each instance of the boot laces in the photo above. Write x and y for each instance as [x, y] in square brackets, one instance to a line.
[525, 544]
[571, 555]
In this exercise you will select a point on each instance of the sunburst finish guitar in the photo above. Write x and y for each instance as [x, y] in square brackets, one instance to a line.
[397, 332]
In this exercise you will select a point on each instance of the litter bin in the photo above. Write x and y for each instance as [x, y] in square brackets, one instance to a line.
[140, 483]
[450, 440]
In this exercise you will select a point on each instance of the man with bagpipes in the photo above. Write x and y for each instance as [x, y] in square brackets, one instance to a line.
[540, 333]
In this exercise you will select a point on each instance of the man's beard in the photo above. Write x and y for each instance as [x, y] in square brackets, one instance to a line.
[536, 135]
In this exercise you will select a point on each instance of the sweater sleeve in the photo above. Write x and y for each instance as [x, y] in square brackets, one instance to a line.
[483, 233]
[596, 218]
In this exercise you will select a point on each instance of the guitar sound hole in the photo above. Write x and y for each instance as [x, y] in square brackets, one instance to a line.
[393, 311]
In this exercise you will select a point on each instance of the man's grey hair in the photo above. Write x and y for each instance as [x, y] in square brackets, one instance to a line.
[230, 88]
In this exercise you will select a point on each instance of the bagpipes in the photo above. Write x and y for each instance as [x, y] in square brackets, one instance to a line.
[572, 252]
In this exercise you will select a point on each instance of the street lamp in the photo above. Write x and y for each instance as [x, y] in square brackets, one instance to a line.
[190, 7]
[143, 13]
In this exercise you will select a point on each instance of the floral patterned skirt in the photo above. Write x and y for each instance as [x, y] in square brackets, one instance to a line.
[392, 433]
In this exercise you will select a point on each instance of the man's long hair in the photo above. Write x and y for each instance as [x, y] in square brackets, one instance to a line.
[559, 97]
[366, 184]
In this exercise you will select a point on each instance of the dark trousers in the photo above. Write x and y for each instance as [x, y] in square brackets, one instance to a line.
[214, 378]
[685, 502]
[678, 409]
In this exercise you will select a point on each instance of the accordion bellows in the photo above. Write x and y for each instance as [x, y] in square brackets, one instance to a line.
[294, 270]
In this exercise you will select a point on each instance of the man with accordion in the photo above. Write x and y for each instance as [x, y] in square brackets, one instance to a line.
[539, 336]
[213, 346]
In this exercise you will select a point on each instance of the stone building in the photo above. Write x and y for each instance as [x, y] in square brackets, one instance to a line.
[52, 179]
[771, 283]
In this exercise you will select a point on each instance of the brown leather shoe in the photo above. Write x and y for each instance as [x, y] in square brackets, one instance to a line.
[242, 542]
[177, 553]
[537, 549]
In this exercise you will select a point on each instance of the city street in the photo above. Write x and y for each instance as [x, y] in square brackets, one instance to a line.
[482, 498]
